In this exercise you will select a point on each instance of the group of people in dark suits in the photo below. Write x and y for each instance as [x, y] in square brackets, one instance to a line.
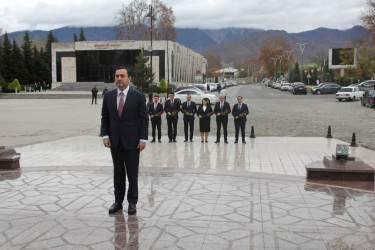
[124, 127]
[204, 112]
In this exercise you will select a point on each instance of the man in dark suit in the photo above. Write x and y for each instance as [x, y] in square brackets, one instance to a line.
[239, 112]
[189, 109]
[222, 109]
[171, 108]
[125, 130]
[155, 110]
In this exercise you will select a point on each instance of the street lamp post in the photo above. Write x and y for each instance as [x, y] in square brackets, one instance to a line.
[302, 46]
[288, 54]
[274, 65]
[152, 19]
[280, 58]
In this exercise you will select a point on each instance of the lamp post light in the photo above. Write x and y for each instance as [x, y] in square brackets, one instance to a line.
[274, 65]
[288, 54]
[280, 58]
[166, 36]
[152, 19]
[302, 46]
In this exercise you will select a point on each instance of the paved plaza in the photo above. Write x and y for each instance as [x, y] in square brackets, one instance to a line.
[193, 195]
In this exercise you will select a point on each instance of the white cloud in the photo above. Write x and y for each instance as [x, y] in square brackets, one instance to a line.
[289, 15]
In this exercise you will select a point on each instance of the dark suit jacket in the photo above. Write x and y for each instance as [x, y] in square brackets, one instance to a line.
[169, 108]
[218, 110]
[191, 109]
[152, 111]
[133, 124]
[203, 113]
[236, 112]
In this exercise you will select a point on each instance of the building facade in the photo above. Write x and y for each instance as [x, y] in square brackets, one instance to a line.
[96, 61]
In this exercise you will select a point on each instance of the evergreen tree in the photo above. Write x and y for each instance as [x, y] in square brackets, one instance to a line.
[17, 67]
[6, 52]
[296, 73]
[75, 38]
[27, 59]
[163, 85]
[47, 55]
[44, 68]
[141, 77]
[82, 36]
[36, 65]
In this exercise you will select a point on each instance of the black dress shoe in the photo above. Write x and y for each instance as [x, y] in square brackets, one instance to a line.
[226, 142]
[159, 141]
[152, 141]
[185, 140]
[132, 209]
[191, 140]
[170, 140]
[236, 141]
[243, 141]
[217, 141]
[115, 207]
[174, 140]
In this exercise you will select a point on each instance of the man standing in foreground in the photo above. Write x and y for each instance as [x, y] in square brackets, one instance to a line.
[239, 112]
[125, 131]
[189, 108]
[222, 109]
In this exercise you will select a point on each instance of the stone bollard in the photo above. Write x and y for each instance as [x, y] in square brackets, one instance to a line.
[354, 141]
[252, 135]
[329, 135]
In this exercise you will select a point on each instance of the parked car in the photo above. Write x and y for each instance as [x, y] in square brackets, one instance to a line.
[284, 86]
[277, 84]
[196, 95]
[349, 94]
[326, 88]
[213, 86]
[368, 99]
[187, 87]
[269, 84]
[299, 87]
[367, 85]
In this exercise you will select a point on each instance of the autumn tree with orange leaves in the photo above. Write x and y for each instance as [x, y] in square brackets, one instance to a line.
[271, 48]
[215, 62]
[133, 23]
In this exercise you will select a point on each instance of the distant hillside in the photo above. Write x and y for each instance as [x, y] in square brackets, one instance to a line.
[319, 39]
[229, 43]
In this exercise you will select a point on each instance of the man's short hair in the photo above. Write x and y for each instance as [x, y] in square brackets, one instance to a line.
[222, 96]
[156, 96]
[172, 93]
[188, 95]
[239, 96]
[126, 68]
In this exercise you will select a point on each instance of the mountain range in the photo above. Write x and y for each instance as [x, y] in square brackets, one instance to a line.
[229, 43]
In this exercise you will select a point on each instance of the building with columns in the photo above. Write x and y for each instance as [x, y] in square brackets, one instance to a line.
[96, 61]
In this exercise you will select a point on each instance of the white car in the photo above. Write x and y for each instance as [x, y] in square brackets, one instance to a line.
[213, 86]
[349, 94]
[196, 96]
[284, 86]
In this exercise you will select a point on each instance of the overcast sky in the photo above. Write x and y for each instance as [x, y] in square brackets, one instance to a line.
[289, 15]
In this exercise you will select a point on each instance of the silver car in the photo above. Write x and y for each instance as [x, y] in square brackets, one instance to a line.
[196, 95]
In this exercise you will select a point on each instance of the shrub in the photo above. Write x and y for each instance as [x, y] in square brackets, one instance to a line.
[13, 85]
[163, 86]
[326, 77]
[347, 81]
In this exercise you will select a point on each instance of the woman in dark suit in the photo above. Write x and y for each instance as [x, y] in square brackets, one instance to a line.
[204, 113]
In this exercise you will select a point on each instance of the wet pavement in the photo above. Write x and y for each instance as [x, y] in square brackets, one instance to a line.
[192, 196]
